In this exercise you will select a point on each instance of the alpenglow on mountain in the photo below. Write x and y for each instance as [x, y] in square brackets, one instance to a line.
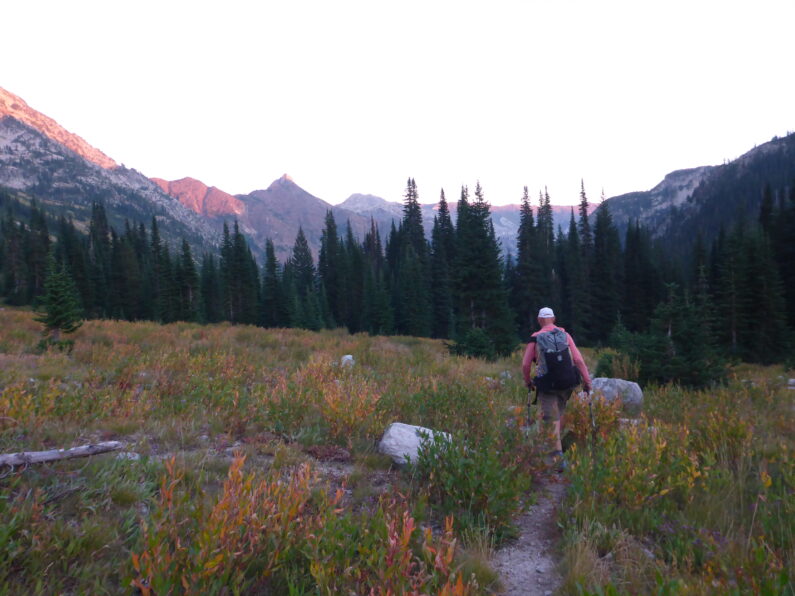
[42, 159]
[67, 176]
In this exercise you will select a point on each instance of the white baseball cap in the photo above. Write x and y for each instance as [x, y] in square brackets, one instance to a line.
[546, 313]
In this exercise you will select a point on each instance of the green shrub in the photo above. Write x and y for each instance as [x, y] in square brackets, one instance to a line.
[476, 343]
[473, 483]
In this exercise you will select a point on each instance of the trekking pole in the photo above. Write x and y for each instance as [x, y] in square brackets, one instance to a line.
[530, 402]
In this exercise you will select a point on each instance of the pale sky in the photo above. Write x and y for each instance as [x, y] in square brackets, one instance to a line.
[355, 97]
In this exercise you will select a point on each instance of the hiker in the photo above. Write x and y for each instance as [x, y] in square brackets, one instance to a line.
[559, 369]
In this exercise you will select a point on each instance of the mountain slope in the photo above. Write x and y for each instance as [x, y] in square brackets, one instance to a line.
[203, 199]
[14, 106]
[277, 212]
[65, 182]
[699, 201]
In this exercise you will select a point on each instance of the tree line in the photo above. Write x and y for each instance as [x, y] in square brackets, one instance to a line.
[733, 298]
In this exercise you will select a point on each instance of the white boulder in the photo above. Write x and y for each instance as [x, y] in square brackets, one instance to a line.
[628, 392]
[347, 361]
[401, 441]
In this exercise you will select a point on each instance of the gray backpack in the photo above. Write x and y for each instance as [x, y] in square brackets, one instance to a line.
[555, 370]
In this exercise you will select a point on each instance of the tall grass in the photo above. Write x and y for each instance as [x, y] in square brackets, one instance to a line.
[187, 517]
[701, 492]
[695, 498]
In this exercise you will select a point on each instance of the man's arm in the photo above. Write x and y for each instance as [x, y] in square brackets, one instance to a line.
[527, 362]
[579, 363]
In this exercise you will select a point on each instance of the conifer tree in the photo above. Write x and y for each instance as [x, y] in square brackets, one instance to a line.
[378, 314]
[168, 289]
[71, 250]
[354, 267]
[606, 275]
[643, 288]
[442, 242]
[410, 269]
[275, 311]
[587, 332]
[483, 311]
[210, 290]
[584, 225]
[60, 303]
[782, 243]
[527, 293]
[675, 349]
[159, 275]
[762, 333]
[15, 266]
[99, 255]
[545, 240]
[37, 247]
[305, 309]
[187, 283]
[412, 220]
[302, 263]
[330, 265]
[574, 282]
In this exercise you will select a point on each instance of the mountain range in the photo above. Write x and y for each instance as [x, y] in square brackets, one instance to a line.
[699, 202]
[66, 174]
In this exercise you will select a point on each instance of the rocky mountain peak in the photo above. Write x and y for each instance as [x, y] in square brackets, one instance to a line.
[14, 106]
[203, 199]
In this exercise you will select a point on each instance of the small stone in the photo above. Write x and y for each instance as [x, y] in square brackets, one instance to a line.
[128, 455]
[347, 361]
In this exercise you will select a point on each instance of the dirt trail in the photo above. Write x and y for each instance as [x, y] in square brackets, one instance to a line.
[529, 565]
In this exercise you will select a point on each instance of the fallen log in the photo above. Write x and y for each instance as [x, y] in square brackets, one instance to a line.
[23, 458]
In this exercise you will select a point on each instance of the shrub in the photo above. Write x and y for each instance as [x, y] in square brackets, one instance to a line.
[618, 365]
[476, 343]
[634, 476]
[384, 552]
[285, 535]
[474, 483]
[577, 418]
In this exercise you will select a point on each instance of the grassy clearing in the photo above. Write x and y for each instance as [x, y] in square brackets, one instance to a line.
[258, 470]
[258, 465]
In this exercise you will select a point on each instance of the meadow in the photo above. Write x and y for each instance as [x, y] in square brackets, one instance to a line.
[251, 467]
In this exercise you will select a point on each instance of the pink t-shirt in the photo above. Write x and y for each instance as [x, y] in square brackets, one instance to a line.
[530, 356]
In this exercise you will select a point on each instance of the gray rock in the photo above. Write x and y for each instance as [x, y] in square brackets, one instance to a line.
[129, 455]
[791, 383]
[347, 361]
[507, 376]
[403, 440]
[628, 392]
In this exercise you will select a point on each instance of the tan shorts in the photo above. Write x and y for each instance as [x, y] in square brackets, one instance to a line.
[553, 403]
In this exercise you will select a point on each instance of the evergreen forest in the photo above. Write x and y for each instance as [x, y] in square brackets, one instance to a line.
[677, 317]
